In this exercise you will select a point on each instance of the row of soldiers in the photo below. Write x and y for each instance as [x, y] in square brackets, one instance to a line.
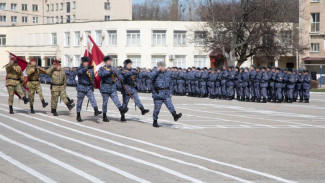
[109, 75]
[254, 84]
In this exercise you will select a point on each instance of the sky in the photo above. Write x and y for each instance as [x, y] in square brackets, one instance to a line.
[137, 1]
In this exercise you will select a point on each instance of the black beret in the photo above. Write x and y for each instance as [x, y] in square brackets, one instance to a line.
[198, 69]
[127, 61]
[278, 68]
[85, 59]
[263, 67]
[237, 68]
[106, 58]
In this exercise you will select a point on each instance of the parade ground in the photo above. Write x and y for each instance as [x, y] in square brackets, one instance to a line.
[214, 141]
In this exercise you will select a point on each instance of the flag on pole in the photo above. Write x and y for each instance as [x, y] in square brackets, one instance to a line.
[23, 65]
[96, 58]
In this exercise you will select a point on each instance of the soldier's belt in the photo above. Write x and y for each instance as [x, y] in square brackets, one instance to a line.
[14, 79]
[161, 88]
[33, 80]
[57, 84]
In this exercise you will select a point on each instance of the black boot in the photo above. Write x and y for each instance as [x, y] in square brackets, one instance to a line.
[32, 109]
[79, 117]
[26, 100]
[306, 101]
[144, 111]
[176, 116]
[11, 110]
[123, 111]
[123, 117]
[155, 124]
[70, 100]
[301, 100]
[289, 100]
[253, 99]
[105, 119]
[44, 103]
[258, 100]
[274, 100]
[247, 99]
[97, 112]
[269, 100]
[264, 100]
[70, 106]
[54, 112]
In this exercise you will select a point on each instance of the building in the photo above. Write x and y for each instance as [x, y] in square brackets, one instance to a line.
[312, 33]
[144, 42]
[31, 12]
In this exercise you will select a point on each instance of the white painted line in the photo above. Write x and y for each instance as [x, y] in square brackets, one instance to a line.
[97, 162]
[26, 168]
[167, 170]
[53, 160]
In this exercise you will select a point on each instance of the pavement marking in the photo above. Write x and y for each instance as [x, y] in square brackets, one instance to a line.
[165, 169]
[53, 160]
[97, 162]
[176, 151]
[26, 168]
[141, 150]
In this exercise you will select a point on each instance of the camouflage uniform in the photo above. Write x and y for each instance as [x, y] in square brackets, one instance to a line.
[15, 78]
[33, 84]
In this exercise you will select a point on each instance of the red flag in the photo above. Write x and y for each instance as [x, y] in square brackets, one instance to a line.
[96, 57]
[23, 65]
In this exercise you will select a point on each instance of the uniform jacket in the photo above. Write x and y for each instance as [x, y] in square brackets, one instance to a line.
[264, 82]
[15, 75]
[245, 78]
[306, 83]
[162, 85]
[33, 74]
[86, 78]
[278, 79]
[58, 79]
[108, 79]
[130, 80]
[291, 81]
[231, 78]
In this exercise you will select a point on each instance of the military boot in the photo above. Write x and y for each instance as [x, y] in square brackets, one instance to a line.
[176, 116]
[289, 100]
[54, 112]
[70, 100]
[44, 103]
[79, 117]
[306, 101]
[97, 112]
[70, 106]
[274, 100]
[32, 109]
[253, 99]
[247, 99]
[105, 119]
[144, 111]
[264, 100]
[26, 100]
[123, 117]
[155, 124]
[301, 100]
[258, 100]
[286, 100]
[11, 110]
[269, 100]
[123, 111]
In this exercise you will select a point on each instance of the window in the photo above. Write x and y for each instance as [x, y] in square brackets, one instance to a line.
[111, 38]
[52, 7]
[35, 19]
[107, 18]
[74, 18]
[157, 58]
[133, 38]
[49, 61]
[61, 19]
[74, 4]
[200, 61]
[24, 19]
[136, 60]
[158, 38]
[179, 38]
[67, 61]
[56, 6]
[99, 37]
[3, 19]
[2, 6]
[315, 21]
[67, 39]
[54, 39]
[314, 1]
[76, 60]
[49, 20]
[77, 38]
[35, 7]
[314, 47]
[68, 7]
[56, 19]
[24, 7]
[48, 7]
[107, 5]
[199, 37]
[61, 6]
[3, 40]
[86, 37]
[180, 61]
[114, 60]
[13, 7]
[13, 19]
[286, 38]
[68, 19]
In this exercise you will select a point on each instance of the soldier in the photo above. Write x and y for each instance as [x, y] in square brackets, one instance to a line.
[278, 78]
[264, 83]
[58, 87]
[191, 77]
[238, 83]
[188, 82]
[252, 76]
[15, 79]
[162, 92]
[148, 81]
[257, 88]
[272, 97]
[212, 84]
[197, 82]
[85, 87]
[181, 80]
[231, 83]
[224, 77]
[300, 82]
[306, 86]
[108, 75]
[203, 82]
[245, 78]
[33, 72]
[218, 84]
[284, 85]
[129, 80]
[291, 85]
[295, 90]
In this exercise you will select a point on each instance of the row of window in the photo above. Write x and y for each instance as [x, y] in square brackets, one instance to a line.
[68, 19]
[14, 19]
[133, 37]
[52, 7]
[178, 60]
[14, 7]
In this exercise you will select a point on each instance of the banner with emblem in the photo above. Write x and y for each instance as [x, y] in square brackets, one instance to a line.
[96, 58]
[23, 65]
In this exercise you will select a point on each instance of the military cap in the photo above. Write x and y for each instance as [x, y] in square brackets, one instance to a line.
[198, 69]
[13, 58]
[269, 67]
[278, 68]
[107, 57]
[193, 67]
[237, 68]
[205, 68]
[85, 59]
[286, 69]
[189, 68]
[263, 68]
[289, 69]
[57, 62]
[161, 64]
[273, 67]
[32, 60]
[127, 61]
[231, 67]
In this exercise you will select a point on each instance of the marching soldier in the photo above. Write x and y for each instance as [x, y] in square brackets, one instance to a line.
[129, 80]
[108, 80]
[58, 87]
[15, 78]
[85, 87]
[33, 84]
[162, 92]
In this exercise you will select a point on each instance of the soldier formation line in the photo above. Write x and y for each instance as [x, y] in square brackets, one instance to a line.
[254, 84]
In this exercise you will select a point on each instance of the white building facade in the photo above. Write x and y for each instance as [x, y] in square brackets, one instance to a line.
[144, 42]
